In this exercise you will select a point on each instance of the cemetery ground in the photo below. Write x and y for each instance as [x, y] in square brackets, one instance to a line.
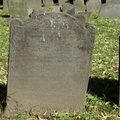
[102, 95]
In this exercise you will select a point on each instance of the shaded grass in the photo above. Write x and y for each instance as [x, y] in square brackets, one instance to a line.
[106, 89]
[102, 96]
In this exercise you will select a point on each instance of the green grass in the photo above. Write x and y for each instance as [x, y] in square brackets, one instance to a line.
[102, 93]
[4, 44]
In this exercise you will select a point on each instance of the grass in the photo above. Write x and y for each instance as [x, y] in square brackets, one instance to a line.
[102, 95]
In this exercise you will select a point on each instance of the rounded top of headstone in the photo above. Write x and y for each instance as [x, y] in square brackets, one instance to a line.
[53, 19]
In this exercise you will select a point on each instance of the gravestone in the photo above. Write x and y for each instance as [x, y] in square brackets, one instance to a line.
[82, 1]
[5, 5]
[70, 11]
[81, 18]
[49, 63]
[93, 5]
[30, 4]
[37, 11]
[108, 0]
[68, 8]
[33, 3]
[86, 14]
[110, 9]
[56, 9]
[18, 7]
[78, 4]
[48, 3]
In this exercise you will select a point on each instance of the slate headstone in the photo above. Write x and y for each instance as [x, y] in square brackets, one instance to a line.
[18, 7]
[93, 5]
[33, 3]
[110, 9]
[48, 3]
[49, 63]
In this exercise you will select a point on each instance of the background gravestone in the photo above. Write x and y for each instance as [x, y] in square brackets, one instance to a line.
[48, 3]
[81, 18]
[33, 3]
[93, 5]
[49, 63]
[110, 9]
[82, 1]
[86, 14]
[56, 9]
[30, 3]
[18, 7]
[68, 8]
[61, 2]
[79, 5]
[5, 5]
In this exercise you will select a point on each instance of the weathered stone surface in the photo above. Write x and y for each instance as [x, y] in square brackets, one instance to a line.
[49, 63]
[5, 5]
[18, 7]
[93, 5]
[110, 9]
[48, 3]
[33, 3]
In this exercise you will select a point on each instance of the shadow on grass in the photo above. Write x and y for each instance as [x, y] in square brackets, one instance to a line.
[105, 88]
[3, 91]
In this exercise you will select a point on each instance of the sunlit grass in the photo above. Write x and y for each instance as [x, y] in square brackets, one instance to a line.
[105, 54]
